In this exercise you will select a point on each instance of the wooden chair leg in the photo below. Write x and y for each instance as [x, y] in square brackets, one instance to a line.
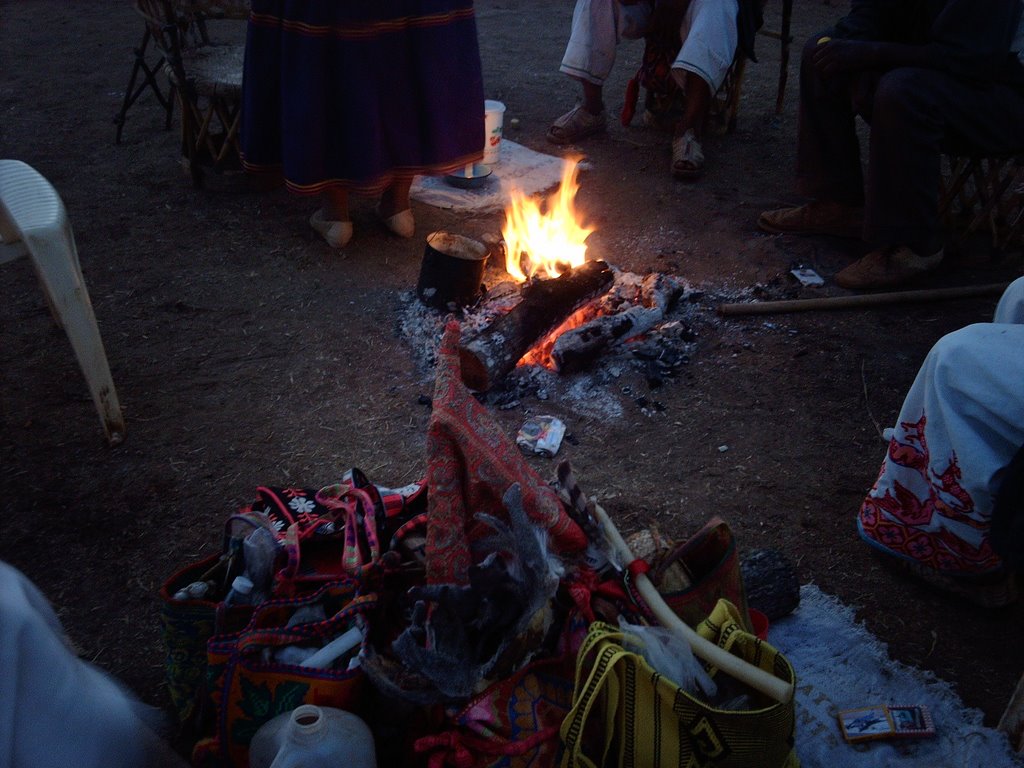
[132, 93]
[785, 38]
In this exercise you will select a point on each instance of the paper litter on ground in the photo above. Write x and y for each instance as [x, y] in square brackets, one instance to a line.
[532, 172]
[840, 665]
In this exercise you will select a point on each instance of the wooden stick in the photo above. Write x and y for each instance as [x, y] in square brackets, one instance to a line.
[740, 669]
[861, 300]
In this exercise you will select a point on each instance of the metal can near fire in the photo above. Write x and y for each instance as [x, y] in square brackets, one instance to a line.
[541, 435]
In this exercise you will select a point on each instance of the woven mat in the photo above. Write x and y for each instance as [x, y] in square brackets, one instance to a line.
[840, 665]
[532, 172]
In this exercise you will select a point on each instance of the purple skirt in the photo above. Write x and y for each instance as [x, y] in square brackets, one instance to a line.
[356, 93]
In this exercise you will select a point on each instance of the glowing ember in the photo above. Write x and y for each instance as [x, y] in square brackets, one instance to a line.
[540, 353]
[549, 242]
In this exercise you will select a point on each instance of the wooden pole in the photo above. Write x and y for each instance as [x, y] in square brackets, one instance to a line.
[861, 300]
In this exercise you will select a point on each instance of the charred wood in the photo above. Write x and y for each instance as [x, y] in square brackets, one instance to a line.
[493, 353]
[577, 348]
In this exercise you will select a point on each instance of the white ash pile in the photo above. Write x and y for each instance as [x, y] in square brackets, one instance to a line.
[620, 347]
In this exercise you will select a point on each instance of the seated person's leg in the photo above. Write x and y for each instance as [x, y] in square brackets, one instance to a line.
[828, 165]
[913, 113]
[1011, 305]
[907, 130]
[709, 37]
[56, 709]
[597, 27]
[961, 423]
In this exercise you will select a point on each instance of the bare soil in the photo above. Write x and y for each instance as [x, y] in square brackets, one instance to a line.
[247, 352]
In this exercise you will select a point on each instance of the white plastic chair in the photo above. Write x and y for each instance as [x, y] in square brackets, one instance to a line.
[34, 223]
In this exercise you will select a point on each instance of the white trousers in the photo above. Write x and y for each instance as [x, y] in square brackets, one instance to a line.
[960, 425]
[55, 709]
[708, 35]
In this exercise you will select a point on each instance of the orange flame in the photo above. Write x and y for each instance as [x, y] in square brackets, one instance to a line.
[549, 242]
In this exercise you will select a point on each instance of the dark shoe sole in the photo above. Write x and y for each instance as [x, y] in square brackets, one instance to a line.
[995, 591]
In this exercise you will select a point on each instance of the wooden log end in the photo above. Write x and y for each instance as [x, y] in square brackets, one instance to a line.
[475, 373]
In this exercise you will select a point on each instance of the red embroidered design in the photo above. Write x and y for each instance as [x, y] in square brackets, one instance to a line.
[920, 528]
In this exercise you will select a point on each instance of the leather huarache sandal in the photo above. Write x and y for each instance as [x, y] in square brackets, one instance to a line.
[574, 125]
[687, 157]
[820, 217]
[887, 268]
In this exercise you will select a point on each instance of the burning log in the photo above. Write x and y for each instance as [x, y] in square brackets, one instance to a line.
[576, 348]
[545, 304]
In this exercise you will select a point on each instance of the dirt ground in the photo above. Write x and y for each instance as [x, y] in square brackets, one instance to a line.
[246, 352]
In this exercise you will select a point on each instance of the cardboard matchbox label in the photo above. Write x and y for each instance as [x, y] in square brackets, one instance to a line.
[892, 721]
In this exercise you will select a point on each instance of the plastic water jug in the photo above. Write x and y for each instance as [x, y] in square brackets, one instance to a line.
[313, 737]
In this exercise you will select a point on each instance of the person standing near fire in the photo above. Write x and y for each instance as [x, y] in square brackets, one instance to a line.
[360, 97]
[928, 76]
[709, 32]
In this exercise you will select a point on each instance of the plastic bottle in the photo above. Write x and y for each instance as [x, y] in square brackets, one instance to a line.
[313, 737]
[197, 590]
[241, 591]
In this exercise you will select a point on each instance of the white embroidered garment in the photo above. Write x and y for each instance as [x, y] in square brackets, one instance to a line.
[708, 35]
[960, 425]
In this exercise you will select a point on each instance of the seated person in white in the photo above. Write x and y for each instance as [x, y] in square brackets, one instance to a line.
[708, 31]
[57, 710]
[936, 509]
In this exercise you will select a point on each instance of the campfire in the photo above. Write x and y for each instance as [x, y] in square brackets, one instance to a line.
[567, 309]
[546, 239]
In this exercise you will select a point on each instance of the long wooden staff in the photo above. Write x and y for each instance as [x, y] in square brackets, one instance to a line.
[861, 300]
[738, 668]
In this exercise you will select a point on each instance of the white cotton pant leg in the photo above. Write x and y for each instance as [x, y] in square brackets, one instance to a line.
[960, 425]
[55, 709]
[709, 38]
[597, 28]
[1011, 305]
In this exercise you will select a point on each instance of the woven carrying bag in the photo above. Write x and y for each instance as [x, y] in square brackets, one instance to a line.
[710, 561]
[185, 627]
[247, 689]
[626, 714]
[513, 724]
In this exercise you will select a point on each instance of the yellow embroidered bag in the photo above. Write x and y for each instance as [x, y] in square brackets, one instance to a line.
[626, 714]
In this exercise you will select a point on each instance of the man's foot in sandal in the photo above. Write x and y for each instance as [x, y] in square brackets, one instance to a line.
[574, 125]
[687, 157]
[820, 217]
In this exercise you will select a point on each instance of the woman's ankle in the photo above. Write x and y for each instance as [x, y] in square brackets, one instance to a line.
[334, 206]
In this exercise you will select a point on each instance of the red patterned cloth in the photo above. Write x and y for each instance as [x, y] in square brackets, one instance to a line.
[470, 465]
